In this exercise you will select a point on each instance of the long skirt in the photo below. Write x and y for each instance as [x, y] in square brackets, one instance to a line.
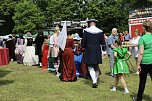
[84, 73]
[19, 53]
[50, 63]
[45, 59]
[29, 56]
[68, 69]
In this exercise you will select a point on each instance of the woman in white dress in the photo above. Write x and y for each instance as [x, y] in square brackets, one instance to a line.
[134, 42]
[29, 56]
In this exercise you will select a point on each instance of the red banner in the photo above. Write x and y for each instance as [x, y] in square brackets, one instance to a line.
[139, 20]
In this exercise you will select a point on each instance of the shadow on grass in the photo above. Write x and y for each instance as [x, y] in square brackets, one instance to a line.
[108, 73]
[89, 82]
[4, 72]
[132, 71]
[145, 97]
[5, 82]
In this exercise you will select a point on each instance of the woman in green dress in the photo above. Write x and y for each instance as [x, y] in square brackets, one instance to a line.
[120, 65]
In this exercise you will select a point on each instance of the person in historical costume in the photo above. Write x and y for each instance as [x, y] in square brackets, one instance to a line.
[50, 61]
[120, 65]
[68, 69]
[81, 67]
[50, 58]
[45, 49]
[77, 53]
[10, 44]
[54, 49]
[38, 45]
[20, 49]
[1, 42]
[29, 56]
[93, 37]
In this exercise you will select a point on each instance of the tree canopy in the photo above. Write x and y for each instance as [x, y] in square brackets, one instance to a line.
[28, 15]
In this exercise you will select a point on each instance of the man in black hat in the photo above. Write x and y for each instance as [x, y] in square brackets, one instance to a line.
[93, 37]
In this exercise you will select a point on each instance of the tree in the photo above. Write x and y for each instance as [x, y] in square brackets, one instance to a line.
[6, 13]
[107, 12]
[42, 4]
[28, 17]
[113, 13]
[62, 10]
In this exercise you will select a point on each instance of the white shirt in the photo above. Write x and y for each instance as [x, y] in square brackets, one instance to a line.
[135, 48]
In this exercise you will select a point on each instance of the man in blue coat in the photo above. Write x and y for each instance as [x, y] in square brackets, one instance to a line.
[93, 37]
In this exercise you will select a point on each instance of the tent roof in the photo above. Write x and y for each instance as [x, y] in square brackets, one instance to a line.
[34, 35]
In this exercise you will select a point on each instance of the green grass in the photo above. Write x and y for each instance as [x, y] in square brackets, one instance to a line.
[22, 83]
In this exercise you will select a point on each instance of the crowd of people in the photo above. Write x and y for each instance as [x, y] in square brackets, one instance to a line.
[44, 51]
[140, 47]
[81, 56]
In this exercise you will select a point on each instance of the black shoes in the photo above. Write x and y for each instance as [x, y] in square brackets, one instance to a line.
[94, 85]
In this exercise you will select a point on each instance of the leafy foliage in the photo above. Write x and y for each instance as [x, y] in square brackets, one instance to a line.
[6, 7]
[62, 10]
[6, 13]
[27, 17]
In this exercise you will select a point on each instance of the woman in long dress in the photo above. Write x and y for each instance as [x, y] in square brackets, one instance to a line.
[10, 44]
[54, 50]
[29, 56]
[45, 49]
[38, 45]
[20, 49]
[68, 69]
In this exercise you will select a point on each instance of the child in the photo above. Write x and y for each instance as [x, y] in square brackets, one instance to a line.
[120, 65]
[77, 55]
[81, 67]
[45, 49]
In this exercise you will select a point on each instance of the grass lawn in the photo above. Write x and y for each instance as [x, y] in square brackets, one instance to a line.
[22, 83]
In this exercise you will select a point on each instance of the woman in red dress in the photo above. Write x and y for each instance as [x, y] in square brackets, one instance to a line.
[68, 68]
[45, 49]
